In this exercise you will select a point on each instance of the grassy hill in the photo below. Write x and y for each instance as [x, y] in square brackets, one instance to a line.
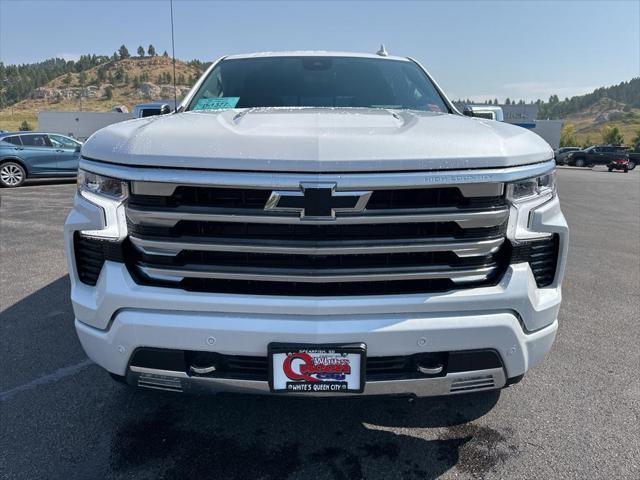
[115, 82]
[606, 107]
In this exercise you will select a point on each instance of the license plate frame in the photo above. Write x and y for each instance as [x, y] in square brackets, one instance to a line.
[350, 351]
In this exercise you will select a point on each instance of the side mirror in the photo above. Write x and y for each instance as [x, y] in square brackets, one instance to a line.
[78, 147]
[164, 109]
[481, 111]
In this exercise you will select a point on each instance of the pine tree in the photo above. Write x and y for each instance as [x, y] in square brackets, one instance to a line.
[140, 51]
[151, 51]
[165, 54]
[123, 52]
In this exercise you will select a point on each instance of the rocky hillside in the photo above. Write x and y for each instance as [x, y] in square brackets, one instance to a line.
[589, 124]
[606, 107]
[122, 82]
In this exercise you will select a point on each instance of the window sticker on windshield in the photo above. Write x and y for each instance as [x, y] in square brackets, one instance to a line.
[216, 103]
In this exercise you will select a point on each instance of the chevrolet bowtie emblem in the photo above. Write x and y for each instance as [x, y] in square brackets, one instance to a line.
[318, 201]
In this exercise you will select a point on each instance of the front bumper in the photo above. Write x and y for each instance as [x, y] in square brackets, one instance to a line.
[384, 335]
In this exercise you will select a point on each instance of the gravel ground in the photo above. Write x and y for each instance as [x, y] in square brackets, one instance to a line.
[575, 416]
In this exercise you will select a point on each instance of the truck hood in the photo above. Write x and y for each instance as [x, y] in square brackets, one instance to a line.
[316, 140]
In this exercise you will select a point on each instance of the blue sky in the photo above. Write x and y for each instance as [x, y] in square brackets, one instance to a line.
[474, 49]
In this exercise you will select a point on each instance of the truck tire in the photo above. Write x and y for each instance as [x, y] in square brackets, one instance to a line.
[580, 162]
[632, 164]
[12, 174]
[611, 169]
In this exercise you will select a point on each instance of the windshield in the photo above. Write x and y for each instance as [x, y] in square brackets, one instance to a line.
[317, 82]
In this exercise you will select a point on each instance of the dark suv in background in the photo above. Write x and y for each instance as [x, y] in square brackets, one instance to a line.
[562, 154]
[597, 155]
[36, 155]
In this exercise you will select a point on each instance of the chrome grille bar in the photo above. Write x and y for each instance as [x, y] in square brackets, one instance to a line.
[459, 275]
[171, 216]
[172, 247]
[166, 189]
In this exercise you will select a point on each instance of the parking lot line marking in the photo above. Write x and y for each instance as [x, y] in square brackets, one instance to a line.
[46, 379]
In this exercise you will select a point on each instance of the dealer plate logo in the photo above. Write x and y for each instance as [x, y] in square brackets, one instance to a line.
[317, 370]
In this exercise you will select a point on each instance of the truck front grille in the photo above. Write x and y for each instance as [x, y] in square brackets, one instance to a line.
[410, 239]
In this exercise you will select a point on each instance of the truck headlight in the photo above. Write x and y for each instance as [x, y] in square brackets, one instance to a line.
[542, 187]
[109, 194]
[525, 196]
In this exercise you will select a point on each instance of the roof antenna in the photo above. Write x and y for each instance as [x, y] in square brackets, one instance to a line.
[173, 54]
[382, 52]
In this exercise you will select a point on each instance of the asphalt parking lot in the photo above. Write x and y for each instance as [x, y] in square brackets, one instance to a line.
[575, 416]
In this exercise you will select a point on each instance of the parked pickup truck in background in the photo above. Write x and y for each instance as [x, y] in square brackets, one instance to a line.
[597, 155]
[320, 223]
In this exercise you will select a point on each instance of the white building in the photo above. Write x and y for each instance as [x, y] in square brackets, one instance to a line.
[526, 116]
[79, 125]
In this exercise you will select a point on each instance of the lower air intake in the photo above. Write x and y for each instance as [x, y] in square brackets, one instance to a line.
[90, 255]
[157, 382]
[473, 383]
[542, 256]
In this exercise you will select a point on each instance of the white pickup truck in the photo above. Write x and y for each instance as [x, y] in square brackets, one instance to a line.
[320, 223]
